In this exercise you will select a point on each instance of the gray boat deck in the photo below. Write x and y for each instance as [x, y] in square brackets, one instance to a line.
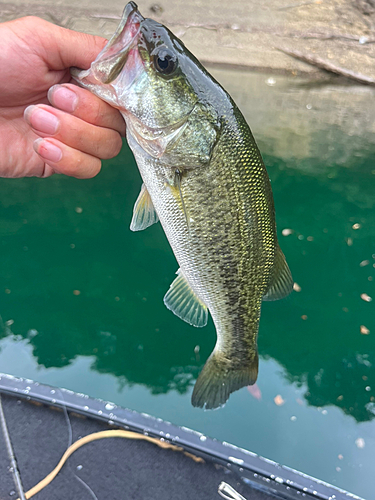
[111, 468]
[42, 422]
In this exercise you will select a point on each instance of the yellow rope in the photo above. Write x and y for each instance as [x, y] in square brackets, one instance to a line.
[93, 437]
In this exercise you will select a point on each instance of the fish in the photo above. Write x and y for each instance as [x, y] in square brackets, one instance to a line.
[205, 180]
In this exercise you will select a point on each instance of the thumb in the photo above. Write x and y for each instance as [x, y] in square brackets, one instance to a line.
[63, 48]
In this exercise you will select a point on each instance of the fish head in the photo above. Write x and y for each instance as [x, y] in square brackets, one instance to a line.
[139, 72]
[147, 73]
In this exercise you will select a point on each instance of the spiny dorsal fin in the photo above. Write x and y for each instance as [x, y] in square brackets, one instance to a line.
[144, 214]
[282, 282]
[183, 302]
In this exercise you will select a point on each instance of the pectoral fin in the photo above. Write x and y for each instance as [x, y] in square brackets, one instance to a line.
[177, 180]
[183, 302]
[144, 214]
[282, 282]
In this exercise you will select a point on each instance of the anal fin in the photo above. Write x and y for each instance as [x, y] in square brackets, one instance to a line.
[183, 302]
[144, 214]
[282, 282]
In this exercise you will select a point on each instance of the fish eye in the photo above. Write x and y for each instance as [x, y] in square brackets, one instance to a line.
[165, 62]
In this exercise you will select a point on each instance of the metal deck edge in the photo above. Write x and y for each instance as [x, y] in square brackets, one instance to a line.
[259, 472]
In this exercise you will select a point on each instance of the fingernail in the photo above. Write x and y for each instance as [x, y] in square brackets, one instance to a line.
[41, 120]
[63, 98]
[47, 150]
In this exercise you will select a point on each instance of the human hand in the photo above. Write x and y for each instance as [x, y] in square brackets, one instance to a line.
[72, 135]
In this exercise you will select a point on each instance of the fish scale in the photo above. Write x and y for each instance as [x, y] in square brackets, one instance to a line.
[205, 180]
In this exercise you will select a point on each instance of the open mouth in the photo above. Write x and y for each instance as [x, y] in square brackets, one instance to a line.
[119, 51]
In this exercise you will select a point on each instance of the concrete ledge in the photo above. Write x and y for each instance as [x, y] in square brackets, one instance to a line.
[237, 33]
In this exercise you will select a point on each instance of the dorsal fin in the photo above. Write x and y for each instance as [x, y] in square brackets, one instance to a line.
[144, 214]
[282, 282]
[183, 302]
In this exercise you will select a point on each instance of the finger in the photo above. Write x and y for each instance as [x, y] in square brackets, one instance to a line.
[76, 133]
[64, 48]
[47, 171]
[85, 105]
[65, 160]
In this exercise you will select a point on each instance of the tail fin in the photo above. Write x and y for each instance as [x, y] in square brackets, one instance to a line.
[219, 379]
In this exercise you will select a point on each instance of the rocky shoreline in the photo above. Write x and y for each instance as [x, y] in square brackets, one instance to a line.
[238, 34]
[296, 110]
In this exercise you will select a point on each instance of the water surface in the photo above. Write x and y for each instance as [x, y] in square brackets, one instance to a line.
[81, 297]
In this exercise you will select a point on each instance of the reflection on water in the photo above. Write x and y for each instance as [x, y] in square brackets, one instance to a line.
[81, 306]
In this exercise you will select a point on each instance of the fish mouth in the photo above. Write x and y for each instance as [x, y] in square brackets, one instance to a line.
[121, 50]
[118, 67]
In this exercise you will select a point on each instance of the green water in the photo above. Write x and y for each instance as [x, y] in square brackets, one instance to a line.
[81, 307]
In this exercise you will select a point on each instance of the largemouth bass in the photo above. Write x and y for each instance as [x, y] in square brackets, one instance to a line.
[204, 178]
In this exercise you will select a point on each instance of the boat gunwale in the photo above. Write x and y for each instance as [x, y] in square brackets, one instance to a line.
[258, 472]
